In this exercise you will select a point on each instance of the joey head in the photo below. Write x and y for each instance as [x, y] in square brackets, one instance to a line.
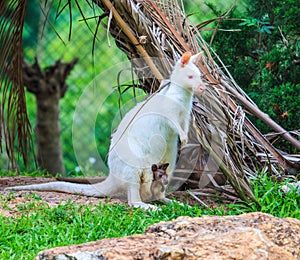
[160, 179]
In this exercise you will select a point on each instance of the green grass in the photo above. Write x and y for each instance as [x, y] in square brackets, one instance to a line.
[272, 199]
[37, 173]
[40, 227]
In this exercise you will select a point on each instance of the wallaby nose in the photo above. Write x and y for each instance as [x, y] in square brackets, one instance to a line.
[201, 88]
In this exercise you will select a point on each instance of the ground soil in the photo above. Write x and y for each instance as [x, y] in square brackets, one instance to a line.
[11, 209]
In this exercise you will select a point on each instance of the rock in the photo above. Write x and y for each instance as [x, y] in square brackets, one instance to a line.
[248, 236]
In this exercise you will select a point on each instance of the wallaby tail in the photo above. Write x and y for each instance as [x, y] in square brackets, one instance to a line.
[102, 189]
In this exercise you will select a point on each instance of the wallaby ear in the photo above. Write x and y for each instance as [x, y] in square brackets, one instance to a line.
[185, 58]
[165, 166]
[154, 167]
[195, 58]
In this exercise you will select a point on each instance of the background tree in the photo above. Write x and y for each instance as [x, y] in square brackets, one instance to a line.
[48, 86]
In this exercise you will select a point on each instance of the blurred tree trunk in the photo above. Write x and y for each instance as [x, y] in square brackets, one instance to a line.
[49, 87]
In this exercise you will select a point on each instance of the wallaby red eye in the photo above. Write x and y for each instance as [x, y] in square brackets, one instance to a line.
[190, 76]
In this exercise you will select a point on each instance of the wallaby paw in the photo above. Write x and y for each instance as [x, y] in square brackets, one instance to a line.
[143, 206]
[184, 140]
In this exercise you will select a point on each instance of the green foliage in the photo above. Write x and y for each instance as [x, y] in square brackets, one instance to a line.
[272, 199]
[282, 103]
[263, 58]
[262, 26]
[40, 227]
[32, 22]
[36, 173]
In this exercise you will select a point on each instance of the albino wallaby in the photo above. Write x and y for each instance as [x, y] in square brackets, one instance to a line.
[160, 179]
[147, 134]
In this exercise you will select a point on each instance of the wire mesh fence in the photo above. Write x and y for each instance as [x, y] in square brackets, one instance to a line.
[53, 39]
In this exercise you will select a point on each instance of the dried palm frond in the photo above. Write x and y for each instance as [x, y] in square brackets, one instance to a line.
[146, 29]
[14, 124]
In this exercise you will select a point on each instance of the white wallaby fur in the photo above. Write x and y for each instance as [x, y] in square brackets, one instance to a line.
[148, 134]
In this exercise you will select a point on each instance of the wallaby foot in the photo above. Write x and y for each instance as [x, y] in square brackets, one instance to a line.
[143, 205]
[134, 198]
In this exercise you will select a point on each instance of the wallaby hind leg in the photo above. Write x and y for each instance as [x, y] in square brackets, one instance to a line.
[134, 197]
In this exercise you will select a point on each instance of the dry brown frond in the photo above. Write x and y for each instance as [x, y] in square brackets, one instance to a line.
[220, 125]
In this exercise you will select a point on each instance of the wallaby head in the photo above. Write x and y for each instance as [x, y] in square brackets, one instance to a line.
[186, 74]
